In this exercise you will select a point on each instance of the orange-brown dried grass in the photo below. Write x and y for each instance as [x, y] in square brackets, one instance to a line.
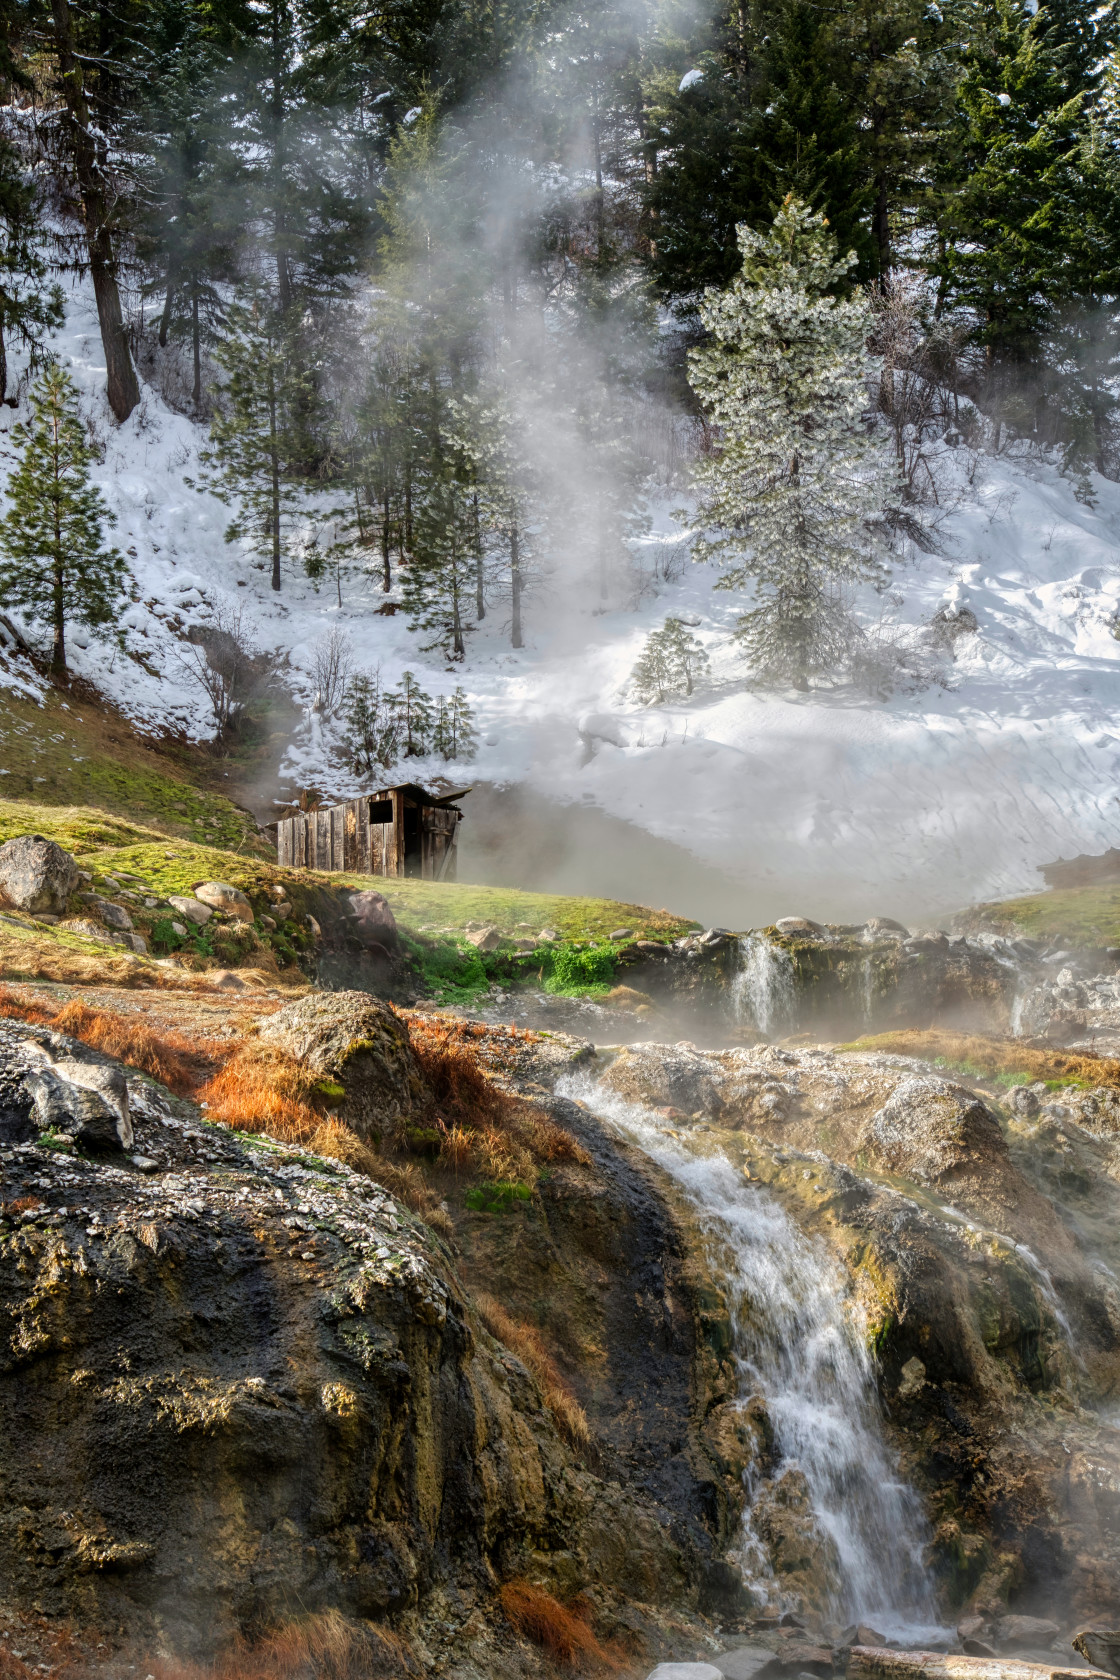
[176, 1061]
[992, 1056]
[564, 1631]
[526, 1342]
[325, 1646]
[482, 1123]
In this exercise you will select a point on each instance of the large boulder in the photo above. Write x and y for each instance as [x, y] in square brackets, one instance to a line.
[356, 1042]
[374, 922]
[192, 909]
[219, 895]
[929, 1130]
[36, 874]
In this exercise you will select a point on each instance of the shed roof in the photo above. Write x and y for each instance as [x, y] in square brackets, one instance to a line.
[421, 795]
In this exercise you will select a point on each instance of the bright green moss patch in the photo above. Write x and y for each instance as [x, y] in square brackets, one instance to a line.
[497, 1198]
[1076, 915]
[448, 906]
[73, 754]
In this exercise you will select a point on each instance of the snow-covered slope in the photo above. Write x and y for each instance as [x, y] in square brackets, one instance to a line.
[827, 804]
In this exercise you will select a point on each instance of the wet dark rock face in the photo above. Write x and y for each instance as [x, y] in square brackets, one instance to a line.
[243, 1378]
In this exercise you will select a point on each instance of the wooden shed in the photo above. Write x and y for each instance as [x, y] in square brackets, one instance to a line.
[402, 830]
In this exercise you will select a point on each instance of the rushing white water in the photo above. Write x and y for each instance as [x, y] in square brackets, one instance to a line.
[799, 1347]
[764, 991]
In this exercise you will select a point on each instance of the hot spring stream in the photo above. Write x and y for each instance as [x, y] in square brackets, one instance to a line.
[800, 1350]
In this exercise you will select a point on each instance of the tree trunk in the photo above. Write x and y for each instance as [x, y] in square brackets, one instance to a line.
[165, 316]
[3, 366]
[123, 390]
[274, 464]
[881, 227]
[515, 586]
[386, 532]
[479, 596]
[58, 646]
[196, 349]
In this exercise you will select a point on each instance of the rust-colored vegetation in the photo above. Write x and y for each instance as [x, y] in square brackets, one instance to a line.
[995, 1058]
[325, 1646]
[525, 1341]
[178, 1062]
[564, 1631]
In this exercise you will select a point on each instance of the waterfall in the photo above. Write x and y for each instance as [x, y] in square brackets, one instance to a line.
[799, 1348]
[764, 991]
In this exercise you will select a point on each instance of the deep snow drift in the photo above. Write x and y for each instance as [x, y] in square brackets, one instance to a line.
[831, 804]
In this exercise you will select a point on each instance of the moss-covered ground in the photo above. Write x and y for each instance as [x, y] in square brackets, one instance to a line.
[79, 753]
[1075, 915]
[434, 917]
[1000, 1061]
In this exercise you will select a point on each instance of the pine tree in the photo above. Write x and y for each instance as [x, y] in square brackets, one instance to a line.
[415, 716]
[1022, 224]
[370, 724]
[31, 305]
[440, 580]
[57, 570]
[794, 474]
[672, 662]
[453, 734]
[257, 436]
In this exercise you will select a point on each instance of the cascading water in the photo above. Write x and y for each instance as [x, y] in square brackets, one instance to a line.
[799, 1350]
[764, 991]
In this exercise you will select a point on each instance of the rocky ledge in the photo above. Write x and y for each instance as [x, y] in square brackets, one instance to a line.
[244, 1378]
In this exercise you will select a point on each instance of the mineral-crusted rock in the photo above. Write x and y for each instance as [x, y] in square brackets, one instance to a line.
[485, 939]
[251, 1380]
[868, 1663]
[36, 874]
[192, 910]
[356, 1040]
[929, 1129]
[219, 895]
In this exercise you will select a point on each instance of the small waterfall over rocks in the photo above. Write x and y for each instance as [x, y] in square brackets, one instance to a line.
[806, 1375]
[764, 990]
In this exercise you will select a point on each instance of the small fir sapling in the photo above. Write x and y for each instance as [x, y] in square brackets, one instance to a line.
[415, 715]
[453, 736]
[371, 727]
[56, 569]
[671, 662]
[796, 480]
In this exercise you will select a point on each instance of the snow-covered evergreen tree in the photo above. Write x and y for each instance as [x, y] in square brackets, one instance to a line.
[371, 728]
[795, 476]
[670, 663]
[56, 568]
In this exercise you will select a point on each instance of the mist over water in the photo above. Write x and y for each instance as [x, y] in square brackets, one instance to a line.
[799, 1349]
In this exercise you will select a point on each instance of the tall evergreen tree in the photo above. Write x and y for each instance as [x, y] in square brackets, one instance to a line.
[57, 569]
[256, 436]
[30, 302]
[794, 474]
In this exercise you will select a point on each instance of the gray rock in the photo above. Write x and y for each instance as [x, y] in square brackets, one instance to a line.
[928, 1128]
[89, 1112]
[622, 933]
[135, 942]
[192, 910]
[374, 922]
[114, 915]
[88, 929]
[36, 874]
[685, 1671]
[1024, 1633]
[1023, 1101]
[219, 895]
[744, 1662]
[485, 939]
[884, 924]
[797, 924]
